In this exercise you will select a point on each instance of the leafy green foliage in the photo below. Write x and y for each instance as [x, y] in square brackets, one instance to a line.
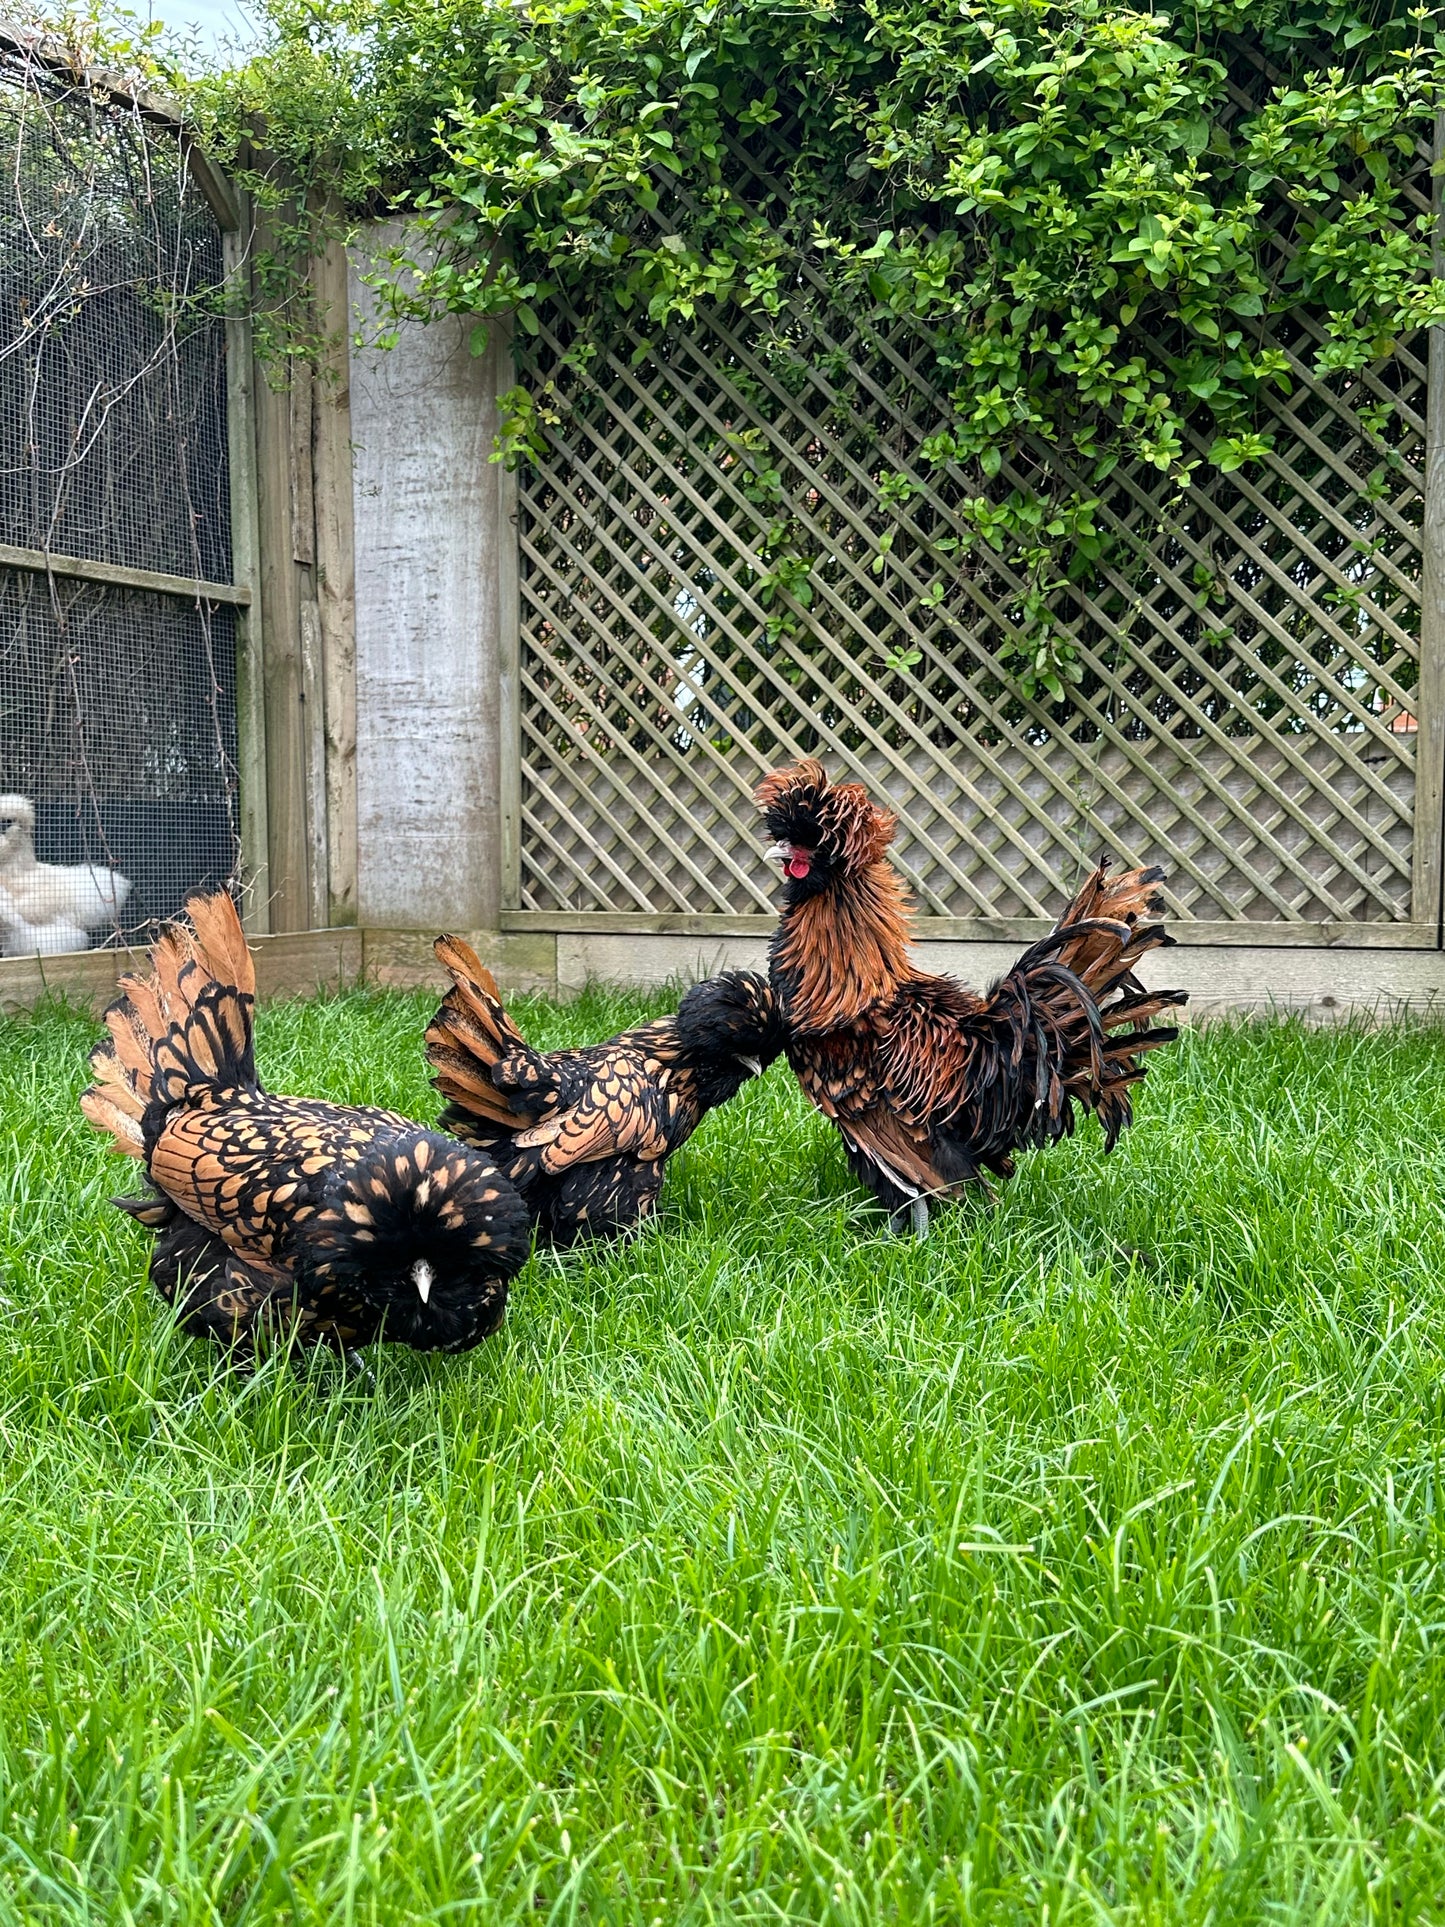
[1029, 181]
[1090, 211]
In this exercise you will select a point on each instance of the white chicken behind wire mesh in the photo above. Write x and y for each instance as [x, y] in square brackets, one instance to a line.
[49, 908]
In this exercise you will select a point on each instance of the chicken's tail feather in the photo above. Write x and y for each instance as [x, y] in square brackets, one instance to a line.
[1070, 1024]
[1078, 1015]
[207, 1050]
[220, 946]
[1129, 897]
[1111, 923]
[183, 1024]
[470, 1034]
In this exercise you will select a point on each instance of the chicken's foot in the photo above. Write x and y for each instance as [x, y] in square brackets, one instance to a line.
[914, 1213]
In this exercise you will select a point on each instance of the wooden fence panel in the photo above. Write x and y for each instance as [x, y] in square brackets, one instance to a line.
[1249, 713]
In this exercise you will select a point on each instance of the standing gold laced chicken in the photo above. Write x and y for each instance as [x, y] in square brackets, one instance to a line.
[585, 1135]
[288, 1217]
[930, 1084]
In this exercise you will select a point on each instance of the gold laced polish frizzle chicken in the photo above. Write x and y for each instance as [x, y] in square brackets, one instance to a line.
[585, 1135]
[288, 1218]
[933, 1086]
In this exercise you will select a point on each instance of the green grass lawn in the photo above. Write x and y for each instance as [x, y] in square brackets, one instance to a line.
[1081, 1564]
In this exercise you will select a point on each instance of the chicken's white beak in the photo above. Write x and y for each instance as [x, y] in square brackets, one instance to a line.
[754, 1064]
[779, 853]
[421, 1276]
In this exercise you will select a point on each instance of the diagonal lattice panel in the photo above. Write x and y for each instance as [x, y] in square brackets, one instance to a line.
[1250, 646]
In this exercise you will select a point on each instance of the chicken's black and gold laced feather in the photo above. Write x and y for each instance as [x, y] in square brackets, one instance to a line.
[585, 1134]
[289, 1217]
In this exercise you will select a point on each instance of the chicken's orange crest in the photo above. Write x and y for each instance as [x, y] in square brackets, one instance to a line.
[808, 813]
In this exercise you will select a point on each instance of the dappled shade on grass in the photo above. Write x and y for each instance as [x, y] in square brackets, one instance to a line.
[1086, 1556]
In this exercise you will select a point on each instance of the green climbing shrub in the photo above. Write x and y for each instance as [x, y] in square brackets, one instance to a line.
[1093, 210]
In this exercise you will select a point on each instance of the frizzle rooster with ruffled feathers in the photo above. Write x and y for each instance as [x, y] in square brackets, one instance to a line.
[585, 1135]
[930, 1084]
[288, 1217]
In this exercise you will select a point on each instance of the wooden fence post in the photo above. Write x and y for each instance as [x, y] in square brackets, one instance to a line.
[303, 490]
[336, 578]
[286, 744]
[1430, 736]
[245, 570]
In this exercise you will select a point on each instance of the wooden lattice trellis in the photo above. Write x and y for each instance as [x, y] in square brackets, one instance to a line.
[1249, 715]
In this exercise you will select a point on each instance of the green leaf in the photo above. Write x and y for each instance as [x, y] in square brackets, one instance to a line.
[1194, 134]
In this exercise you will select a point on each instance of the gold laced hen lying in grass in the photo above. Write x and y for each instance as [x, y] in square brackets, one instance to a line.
[289, 1217]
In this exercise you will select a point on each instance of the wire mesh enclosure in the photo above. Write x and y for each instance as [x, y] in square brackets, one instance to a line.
[118, 789]
[1250, 647]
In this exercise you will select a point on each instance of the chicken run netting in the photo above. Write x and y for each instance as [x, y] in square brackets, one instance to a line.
[118, 785]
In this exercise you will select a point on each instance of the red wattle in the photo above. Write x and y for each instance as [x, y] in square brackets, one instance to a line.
[797, 866]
